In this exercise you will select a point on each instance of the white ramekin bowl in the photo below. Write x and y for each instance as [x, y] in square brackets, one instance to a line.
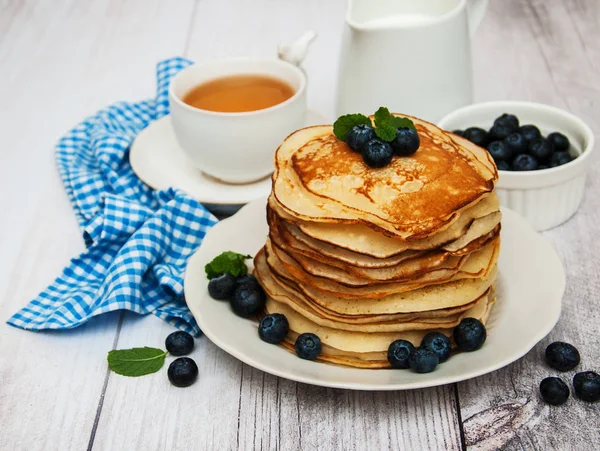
[548, 197]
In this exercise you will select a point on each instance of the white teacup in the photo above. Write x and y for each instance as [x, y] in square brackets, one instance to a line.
[236, 147]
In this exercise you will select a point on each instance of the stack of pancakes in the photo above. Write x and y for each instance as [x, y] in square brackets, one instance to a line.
[362, 257]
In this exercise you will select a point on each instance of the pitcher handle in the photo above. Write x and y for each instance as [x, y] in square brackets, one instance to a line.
[476, 13]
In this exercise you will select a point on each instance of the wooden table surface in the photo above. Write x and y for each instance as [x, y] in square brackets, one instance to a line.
[62, 60]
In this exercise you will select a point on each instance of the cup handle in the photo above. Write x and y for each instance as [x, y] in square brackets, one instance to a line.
[476, 13]
[296, 52]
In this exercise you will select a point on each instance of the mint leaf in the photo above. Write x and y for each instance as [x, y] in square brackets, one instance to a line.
[382, 117]
[342, 126]
[402, 122]
[228, 262]
[386, 132]
[136, 362]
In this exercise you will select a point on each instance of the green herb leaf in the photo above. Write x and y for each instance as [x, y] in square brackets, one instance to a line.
[386, 132]
[136, 362]
[228, 262]
[402, 122]
[342, 126]
[382, 117]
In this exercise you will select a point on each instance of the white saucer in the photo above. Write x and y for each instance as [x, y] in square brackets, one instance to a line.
[529, 289]
[157, 159]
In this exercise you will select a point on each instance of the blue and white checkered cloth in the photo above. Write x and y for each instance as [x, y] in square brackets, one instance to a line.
[138, 240]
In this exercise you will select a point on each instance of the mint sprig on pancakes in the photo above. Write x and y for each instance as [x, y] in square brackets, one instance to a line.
[378, 141]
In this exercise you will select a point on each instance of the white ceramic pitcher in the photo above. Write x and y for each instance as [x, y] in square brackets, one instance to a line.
[413, 56]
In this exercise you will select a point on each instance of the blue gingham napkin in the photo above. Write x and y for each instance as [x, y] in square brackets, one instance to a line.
[138, 240]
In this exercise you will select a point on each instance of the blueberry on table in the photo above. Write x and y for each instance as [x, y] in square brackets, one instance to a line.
[183, 372]
[377, 154]
[500, 151]
[470, 334]
[514, 120]
[554, 391]
[423, 360]
[562, 356]
[559, 141]
[541, 149]
[399, 352]
[308, 346]
[560, 158]
[516, 143]
[503, 165]
[530, 132]
[459, 132]
[524, 162]
[438, 343]
[406, 143]
[222, 287]
[359, 136]
[477, 136]
[179, 343]
[248, 300]
[273, 328]
[587, 386]
[501, 129]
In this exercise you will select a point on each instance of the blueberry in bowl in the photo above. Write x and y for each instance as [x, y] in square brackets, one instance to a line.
[516, 143]
[541, 149]
[530, 132]
[477, 136]
[500, 151]
[560, 158]
[559, 141]
[502, 129]
[524, 162]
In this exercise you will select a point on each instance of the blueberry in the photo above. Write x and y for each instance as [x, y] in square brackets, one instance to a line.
[182, 372]
[524, 162]
[308, 346]
[359, 136]
[503, 166]
[459, 132]
[438, 343]
[559, 141]
[470, 334]
[500, 151]
[273, 328]
[222, 287]
[377, 153]
[406, 142]
[477, 136]
[248, 300]
[423, 360]
[560, 158]
[179, 343]
[247, 279]
[501, 129]
[587, 386]
[514, 120]
[399, 353]
[541, 149]
[554, 391]
[516, 143]
[543, 166]
[530, 132]
[562, 356]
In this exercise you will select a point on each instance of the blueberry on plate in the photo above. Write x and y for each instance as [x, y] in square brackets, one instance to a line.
[554, 391]
[477, 136]
[530, 132]
[438, 343]
[273, 328]
[308, 346]
[359, 136]
[377, 153]
[406, 142]
[500, 151]
[559, 141]
[459, 132]
[514, 120]
[179, 343]
[248, 300]
[524, 162]
[503, 165]
[399, 353]
[562, 356]
[423, 360]
[543, 166]
[541, 149]
[470, 334]
[222, 287]
[587, 386]
[516, 143]
[501, 129]
[560, 158]
[247, 279]
[183, 372]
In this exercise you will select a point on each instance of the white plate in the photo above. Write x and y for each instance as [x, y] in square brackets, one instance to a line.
[157, 159]
[530, 287]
